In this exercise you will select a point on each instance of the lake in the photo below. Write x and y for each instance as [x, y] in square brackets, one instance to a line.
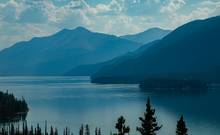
[72, 101]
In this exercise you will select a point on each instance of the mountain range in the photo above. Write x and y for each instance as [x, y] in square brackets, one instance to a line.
[144, 37]
[90, 69]
[60, 53]
[147, 36]
[189, 52]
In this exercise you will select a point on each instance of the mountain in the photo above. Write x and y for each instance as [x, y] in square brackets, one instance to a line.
[90, 69]
[191, 51]
[147, 36]
[61, 52]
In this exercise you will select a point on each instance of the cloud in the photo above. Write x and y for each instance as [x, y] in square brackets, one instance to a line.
[210, 3]
[17, 32]
[172, 6]
[202, 10]
[11, 10]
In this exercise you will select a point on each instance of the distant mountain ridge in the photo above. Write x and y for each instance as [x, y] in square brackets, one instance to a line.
[90, 69]
[145, 37]
[148, 35]
[62, 51]
[189, 52]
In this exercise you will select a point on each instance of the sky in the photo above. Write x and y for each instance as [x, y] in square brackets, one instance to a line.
[24, 19]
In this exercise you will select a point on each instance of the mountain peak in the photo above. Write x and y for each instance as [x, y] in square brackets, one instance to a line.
[148, 35]
[76, 30]
[81, 29]
[155, 29]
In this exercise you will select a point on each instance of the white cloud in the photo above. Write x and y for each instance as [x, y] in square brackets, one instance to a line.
[11, 10]
[202, 10]
[21, 32]
[210, 3]
[172, 6]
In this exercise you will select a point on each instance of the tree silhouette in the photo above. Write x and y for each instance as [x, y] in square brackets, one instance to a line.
[121, 127]
[38, 130]
[31, 131]
[149, 125]
[56, 131]
[96, 131]
[51, 131]
[181, 127]
[87, 132]
[81, 130]
[99, 131]
[12, 130]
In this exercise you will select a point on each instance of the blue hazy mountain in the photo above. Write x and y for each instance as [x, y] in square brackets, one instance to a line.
[61, 52]
[147, 36]
[191, 51]
[90, 69]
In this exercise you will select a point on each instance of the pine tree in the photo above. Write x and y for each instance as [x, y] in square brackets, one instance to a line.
[51, 131]
[45, 128]
[56, 131]
[25, 128]
[12, 130]
[87, 132]
[99, 131]
[81, 130]
[38, 130]
[121, 127]
[96, 131]
[181, 127]
[66, 131]
[149, 125]
[31, 131]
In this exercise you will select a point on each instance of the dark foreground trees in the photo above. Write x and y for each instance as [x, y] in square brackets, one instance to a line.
[12, 108]
[181, 127]
[149, 125]
[121, 127]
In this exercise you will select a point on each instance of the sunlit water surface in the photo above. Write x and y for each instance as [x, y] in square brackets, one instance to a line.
[72, 101]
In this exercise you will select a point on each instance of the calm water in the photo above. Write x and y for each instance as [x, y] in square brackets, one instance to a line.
[71, 101]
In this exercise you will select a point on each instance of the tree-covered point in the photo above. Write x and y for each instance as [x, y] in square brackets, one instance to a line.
[185, 84]
[11, 108]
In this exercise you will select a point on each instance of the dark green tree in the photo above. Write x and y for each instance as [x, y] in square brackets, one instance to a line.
[96, 131]
[99, 131]
[56, 131]
[81, 130]
[51, 131]
[38, 130]
[12, 130]
[25, 128]
[181, 127]
[121, 127]
[87, 132]
[66, 131]
[32, 131]
[149, 125]
[45, 128]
